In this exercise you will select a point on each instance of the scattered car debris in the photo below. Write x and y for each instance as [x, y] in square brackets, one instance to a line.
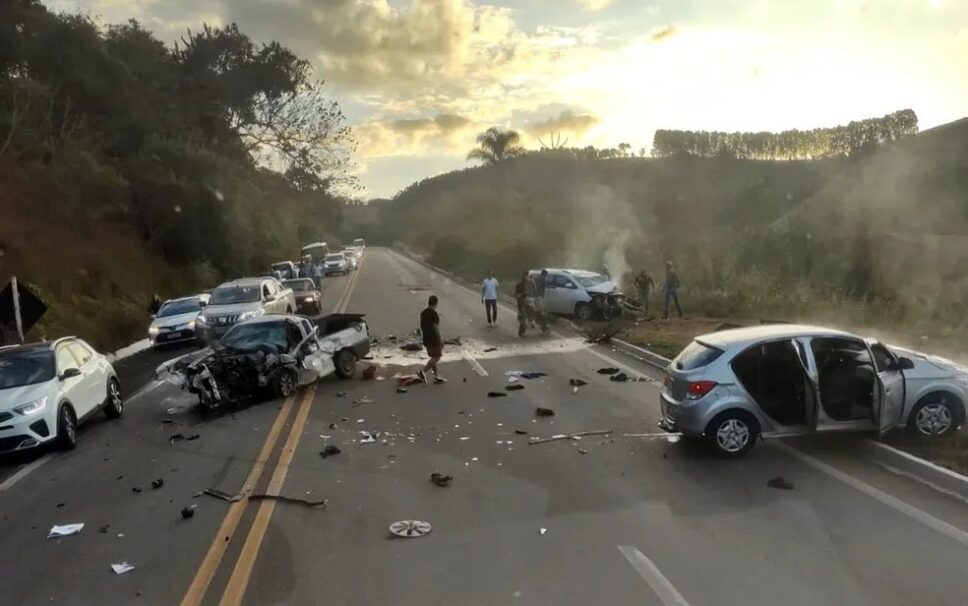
[408, 380]
[104, 529]
[135, 489]
[582, 451]
[368, 438]
[542, 530]
[780, 482]
[520, 432]
[177, 437]
[440, 479]
[156, 484]
[122, 567]
[220, 494]
[332, 425]
[490, 349]
[409, 529]
[369, 373]
[167, 421]
[341, 394]
[285, 499]
[64, 530]
[543, 412]
[401, 390]
[453, 341]
[363, 400]
[600, 337]
[577, 382]
[514, 387]
[329, 451]
[496, 394]
[188, 512]
[608, 370]
[570, 436]
[526, 374]
[620, 377]
[411, 346]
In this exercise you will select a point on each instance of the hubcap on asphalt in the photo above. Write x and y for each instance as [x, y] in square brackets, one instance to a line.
[933, 419]
[410, 528]
[733, 435]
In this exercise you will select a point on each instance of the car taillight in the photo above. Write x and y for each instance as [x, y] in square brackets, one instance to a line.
[698, 389]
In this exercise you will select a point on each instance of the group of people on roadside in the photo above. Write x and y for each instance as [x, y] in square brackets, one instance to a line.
[645, 285]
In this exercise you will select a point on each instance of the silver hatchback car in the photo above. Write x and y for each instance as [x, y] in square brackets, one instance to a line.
[733, 386]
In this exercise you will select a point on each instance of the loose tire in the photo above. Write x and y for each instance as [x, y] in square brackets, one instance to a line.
[936, 415]
[732, 434]
[66, 428]
[583, 311]
[345, 363]
[114, 404]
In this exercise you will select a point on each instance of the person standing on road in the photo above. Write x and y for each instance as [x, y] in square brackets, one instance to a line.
[430, 329]
[489, 293]
[155, 305]
[524, 294]
[671, 288]
[540, 281]
[644, 284]
[318, 275]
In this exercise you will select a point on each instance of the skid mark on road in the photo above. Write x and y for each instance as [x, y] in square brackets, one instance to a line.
[665, 590]
[911, 511]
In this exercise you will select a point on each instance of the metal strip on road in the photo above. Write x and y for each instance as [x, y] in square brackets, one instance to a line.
[665, 590]
[911, 511]
[239, 581]
[220, 543]
[23, 471]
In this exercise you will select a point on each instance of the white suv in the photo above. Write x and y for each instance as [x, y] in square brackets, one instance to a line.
[584, 294]
[48, 389]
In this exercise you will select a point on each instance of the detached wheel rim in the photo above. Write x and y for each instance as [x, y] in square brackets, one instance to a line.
[285, 384]
[733, 435]
[114, 393]
[933, 419]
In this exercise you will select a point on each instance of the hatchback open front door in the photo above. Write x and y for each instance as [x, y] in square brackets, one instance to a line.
[889, 401]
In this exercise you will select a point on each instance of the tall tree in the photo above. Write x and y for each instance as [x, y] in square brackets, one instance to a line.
[496, 145]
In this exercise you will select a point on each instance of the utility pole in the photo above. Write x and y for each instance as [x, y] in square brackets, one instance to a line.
[16, 308]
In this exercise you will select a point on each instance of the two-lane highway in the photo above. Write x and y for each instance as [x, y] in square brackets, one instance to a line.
[605, 519]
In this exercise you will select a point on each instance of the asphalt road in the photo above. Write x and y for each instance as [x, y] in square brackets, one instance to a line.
[605, 519]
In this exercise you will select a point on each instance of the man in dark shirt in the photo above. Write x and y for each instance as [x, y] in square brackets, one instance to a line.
[524, 294]
[430, 329]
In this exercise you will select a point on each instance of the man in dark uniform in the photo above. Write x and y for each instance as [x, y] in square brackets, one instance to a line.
[644, 284]
[671, 288]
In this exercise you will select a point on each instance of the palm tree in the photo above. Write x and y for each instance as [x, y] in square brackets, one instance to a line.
[495, 145]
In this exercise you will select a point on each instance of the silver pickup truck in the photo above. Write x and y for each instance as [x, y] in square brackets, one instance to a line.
[273, 355]
[240, 300]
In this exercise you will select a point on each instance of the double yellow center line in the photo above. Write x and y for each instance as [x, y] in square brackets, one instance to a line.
[239, 580]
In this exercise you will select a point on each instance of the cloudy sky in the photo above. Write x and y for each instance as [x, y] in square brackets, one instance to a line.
[419, 78]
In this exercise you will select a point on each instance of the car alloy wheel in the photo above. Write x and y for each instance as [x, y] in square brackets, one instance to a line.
[286, 384]
[584, 312]
[66, 428]
[115, 402]
[934, 419]
[733, 435]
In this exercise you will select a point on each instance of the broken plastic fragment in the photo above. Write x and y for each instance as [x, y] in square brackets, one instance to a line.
[620, 377]
[496, 394]
[188, 512]
[515, 387]
[544, 412]
[608, 370]
[577, 382]
[440, 479]
[122, 567]
[329, 451]
[779, 482]
[542, 530]
[64, 530]
[156, 484]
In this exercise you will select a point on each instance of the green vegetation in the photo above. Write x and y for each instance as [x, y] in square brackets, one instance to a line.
[876, 241]
[128, 167]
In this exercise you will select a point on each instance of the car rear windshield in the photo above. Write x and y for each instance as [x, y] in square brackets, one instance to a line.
[262, 336]
[26, 368]
[696, 355]
[300, 285]
[590, 281]
[176, 308]
[334, 257]
[235, 294]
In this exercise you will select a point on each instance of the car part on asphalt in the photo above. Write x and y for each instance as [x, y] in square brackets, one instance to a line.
[64, 530]
[329, 451]
[544, 412]
[156, 484]
[570, 436]
[440, 479]
[577, 382]
[285, 499]
[409, 529]
[401, 390]
[520, 432]
[222, 495]
[496, 394]
[608, 370]
[135, 489]
[779, 482]
[526, 374]
[620, 377]
[514, 387]
[188, 512]
[122, 567]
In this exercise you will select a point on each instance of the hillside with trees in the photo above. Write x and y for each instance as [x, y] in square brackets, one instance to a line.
[874, 237]
[129, 167]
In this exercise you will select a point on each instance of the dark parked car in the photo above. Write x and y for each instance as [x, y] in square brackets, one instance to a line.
[308, 297]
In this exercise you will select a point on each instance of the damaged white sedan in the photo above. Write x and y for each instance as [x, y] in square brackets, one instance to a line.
[272, 355]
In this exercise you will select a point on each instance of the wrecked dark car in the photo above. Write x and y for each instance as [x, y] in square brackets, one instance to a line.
[270, 356]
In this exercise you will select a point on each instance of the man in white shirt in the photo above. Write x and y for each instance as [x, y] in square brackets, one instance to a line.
[489, 290]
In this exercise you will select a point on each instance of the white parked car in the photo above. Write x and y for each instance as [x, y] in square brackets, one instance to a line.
[175, 320]
[352, 258]
[48, 389]
[335, 264]
[583, 294]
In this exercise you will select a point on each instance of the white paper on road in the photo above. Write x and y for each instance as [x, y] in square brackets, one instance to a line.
[122, 567]
[64, 530]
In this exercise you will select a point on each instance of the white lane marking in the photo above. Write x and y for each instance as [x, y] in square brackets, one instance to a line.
[474, 363]
[666, 592]
[146, 389]
[23, 471]
[911, 511]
